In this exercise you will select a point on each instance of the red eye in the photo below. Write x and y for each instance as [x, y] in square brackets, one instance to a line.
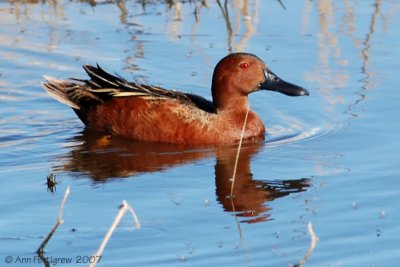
[244, 66]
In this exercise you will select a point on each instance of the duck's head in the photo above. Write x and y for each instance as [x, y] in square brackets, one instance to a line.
[239, 74]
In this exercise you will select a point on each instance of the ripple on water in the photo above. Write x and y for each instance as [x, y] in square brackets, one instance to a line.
[280, 135]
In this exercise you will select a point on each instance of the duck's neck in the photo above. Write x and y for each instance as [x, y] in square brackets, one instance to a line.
[229, 99]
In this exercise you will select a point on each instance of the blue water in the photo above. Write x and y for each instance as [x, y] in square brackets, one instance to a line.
[330, 159]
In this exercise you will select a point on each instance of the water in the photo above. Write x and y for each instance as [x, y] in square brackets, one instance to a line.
[330, 159]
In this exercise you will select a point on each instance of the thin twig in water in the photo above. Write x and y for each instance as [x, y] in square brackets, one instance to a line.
[244, 244]
[283, 6]
[238, 151]
[58, 222]
[314, 241]
[135, 218]
[232, 186]
[122, 210]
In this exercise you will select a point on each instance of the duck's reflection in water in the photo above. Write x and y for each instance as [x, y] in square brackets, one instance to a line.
[250, 196]
[104, 157]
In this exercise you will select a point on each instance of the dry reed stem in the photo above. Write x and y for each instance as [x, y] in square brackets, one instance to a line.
[244, 243]
[238, 151]
[314, 241]
[58, 222]
[122, 210]
[232, 186]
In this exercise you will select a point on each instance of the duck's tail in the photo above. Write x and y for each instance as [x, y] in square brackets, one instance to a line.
[60, 90]
[76, 93]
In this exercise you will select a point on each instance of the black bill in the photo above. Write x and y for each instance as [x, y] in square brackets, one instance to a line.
[274, 83]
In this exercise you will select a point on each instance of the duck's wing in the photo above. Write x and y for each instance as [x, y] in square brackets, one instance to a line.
[103, 86]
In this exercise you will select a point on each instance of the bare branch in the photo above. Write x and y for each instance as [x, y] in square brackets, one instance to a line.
[58, 222]
[238, 151]
[122, 210]
[314, 241]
